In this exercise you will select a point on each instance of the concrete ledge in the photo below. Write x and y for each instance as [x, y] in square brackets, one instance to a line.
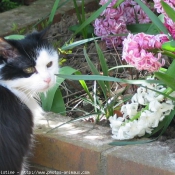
[26, 16]
[81, 147]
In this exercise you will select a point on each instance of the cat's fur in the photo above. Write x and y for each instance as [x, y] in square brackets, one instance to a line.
[27, 66]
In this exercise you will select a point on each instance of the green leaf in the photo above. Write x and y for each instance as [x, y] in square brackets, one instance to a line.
[58, 105]
[138, 28]
[166, 79]
[118, 3]
[89, 29]
[103, 64]
[131, 142]
[171, 69]
[84, 85]
[53, 11]
[105, 78]
[47, 100]
[161, 17]
[169, 10]
[169, 54]
[77, 11]
[78, 43]
[153, 30]
[153, 17]
[92, 17]
[15, 37]
[170, 46]
[95, 71]
[168, 120]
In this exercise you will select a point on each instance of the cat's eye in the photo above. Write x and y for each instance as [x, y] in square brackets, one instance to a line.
[29, 70]
[49, 64]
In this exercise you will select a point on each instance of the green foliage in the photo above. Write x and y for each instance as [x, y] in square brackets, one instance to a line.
[53, 100]
[87, 31]
[169, 46]
[153, 17]
[84, 24]
[166, 77]
[17, 37]
[51, 15]
[105, 105]
[15, 29]
[53, 11]
[8, 5]
[169, 11]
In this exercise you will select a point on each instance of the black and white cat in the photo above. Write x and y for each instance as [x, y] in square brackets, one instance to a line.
[27, 66]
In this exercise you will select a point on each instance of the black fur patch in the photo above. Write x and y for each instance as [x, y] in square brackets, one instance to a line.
[15, 131]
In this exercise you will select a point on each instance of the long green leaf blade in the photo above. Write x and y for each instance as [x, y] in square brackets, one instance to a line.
[53, 11]
[15, 37]
[169, 11]
[78, 43]
[130, 142]
[170, 46]
[168, 121]
[105, 78]
[77, 11]
[153, 17]
[102, 63]
[95, 71]
[84, 85]
[92, 17]
[171, 70]
[168, 80]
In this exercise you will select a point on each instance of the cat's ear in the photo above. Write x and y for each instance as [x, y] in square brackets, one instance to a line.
[41, 35]
[7, 51]
[44, 33]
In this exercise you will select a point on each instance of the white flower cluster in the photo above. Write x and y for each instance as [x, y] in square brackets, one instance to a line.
[158, 106]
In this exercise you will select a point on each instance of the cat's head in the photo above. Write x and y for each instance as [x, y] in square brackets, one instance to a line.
[29, 64]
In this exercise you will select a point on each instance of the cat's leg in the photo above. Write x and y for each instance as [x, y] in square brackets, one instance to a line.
[39, 115]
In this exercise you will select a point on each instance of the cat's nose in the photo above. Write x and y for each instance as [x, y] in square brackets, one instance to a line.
[47, 80]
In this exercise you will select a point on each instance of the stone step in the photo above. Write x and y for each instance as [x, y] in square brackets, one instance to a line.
[84, 149]
[25, 16]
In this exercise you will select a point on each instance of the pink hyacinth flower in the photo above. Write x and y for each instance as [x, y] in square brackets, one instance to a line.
[170, 25]
[159, 8]
[113, 21]
[135, 51]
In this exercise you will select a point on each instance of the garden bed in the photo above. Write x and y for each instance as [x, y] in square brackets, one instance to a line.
[75, 58]
[90, 142]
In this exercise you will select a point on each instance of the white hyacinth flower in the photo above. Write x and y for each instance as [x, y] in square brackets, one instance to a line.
[154, 105]
[158, 107]
[131, 109]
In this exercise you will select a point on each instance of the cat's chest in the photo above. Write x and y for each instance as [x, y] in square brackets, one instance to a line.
[29, 101]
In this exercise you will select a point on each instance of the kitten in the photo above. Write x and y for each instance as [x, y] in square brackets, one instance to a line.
[27, 66]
